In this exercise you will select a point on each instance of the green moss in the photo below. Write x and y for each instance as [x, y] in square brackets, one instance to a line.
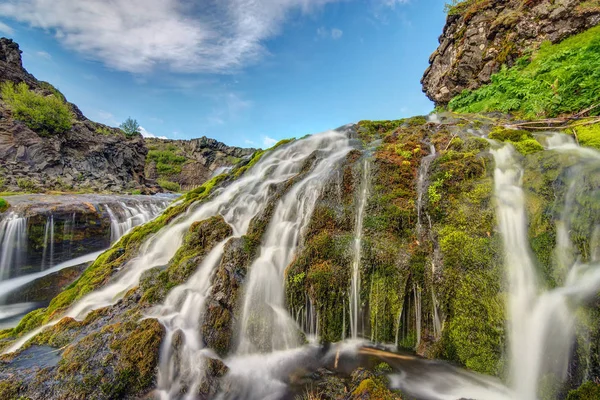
[3, 205]
[589, 135]
[510, 135]
[373, 388]
[528, 146]
[9, 389]
[587, 391]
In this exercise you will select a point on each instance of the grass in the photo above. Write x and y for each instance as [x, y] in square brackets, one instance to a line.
[168, 185]
[46, 115]
[559, 79]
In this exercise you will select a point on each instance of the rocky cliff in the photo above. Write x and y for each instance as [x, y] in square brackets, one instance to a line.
[189, 163]
[89, 156]
[482, 35]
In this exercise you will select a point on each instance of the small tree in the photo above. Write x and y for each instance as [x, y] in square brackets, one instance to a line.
[130, 127]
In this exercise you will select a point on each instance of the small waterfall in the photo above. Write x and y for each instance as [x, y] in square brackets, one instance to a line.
[13, 243]
[541, 321]
[181, 315]
[417, 295]
[264, 315]
[422, 185]
[355, 284]
[127, 216]
[48, 253]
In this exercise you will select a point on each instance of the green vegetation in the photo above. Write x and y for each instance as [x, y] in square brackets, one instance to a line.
[168, 185]
[130, 127]
[46, 115]
[522, 140]
[589, 135]
[168, 162]
[587, 391]
[27, 185]
[3, 205]
[561, 78]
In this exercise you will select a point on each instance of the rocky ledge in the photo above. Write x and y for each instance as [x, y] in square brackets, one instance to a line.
[482, 35]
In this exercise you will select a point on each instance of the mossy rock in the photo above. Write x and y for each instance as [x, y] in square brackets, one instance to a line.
[511, 135]
[587, 391]
[4, 205]
[589, 135]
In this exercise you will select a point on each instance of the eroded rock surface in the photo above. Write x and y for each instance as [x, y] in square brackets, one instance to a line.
[488, 34]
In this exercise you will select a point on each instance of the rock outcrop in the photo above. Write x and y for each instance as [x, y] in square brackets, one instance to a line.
[482, 35]
[191, 162]
[89, 156]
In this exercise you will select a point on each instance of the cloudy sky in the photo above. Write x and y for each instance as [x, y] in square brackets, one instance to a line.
[246, 72]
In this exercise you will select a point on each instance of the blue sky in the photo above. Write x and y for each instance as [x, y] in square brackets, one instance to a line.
[245, 72]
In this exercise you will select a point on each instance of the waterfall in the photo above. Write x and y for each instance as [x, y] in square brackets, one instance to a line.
[422, 185]
[417, 295]
[13, 243]
[541, 321]
[127, 216]
[355, 284]
[263, 307]
[239, 203]
[181, 315]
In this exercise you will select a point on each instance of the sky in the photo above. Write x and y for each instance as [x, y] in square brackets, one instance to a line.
[245, 72]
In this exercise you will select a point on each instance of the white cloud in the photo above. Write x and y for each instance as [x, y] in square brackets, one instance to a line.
[269, 142]
[6, 29]
[147, 134]
[336, 33]
[43, 54]
[249, 142]
[326, 33]
[106, 118]
[142, 35]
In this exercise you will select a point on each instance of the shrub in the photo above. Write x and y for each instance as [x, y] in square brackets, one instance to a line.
[3, 205]
[168, 185]
[26, 184]
[559, 79]
[45, 115]
[130, 127]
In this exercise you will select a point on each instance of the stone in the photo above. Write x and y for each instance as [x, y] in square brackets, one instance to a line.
[457, 64]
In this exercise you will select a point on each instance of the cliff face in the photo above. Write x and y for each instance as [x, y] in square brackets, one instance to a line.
[189, 163]
[89, 156]
[482, 35]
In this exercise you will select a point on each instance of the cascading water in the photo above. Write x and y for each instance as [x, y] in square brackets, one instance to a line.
[541, 321]
[422, 185]
[13, 242]
[263, 309]
[126, 217]
[182, 311]
[355, 283]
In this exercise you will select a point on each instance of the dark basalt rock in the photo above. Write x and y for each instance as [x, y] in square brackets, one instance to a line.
[477, 43]
[89, 156]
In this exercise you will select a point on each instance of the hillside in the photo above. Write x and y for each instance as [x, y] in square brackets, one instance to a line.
[480, 36]
[186, 164]
[78, 155]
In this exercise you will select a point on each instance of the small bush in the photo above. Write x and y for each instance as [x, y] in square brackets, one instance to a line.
[587, 391]
[26, 184]
[130, 127]
[168, 185]
[3, 205]
[45, 115]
